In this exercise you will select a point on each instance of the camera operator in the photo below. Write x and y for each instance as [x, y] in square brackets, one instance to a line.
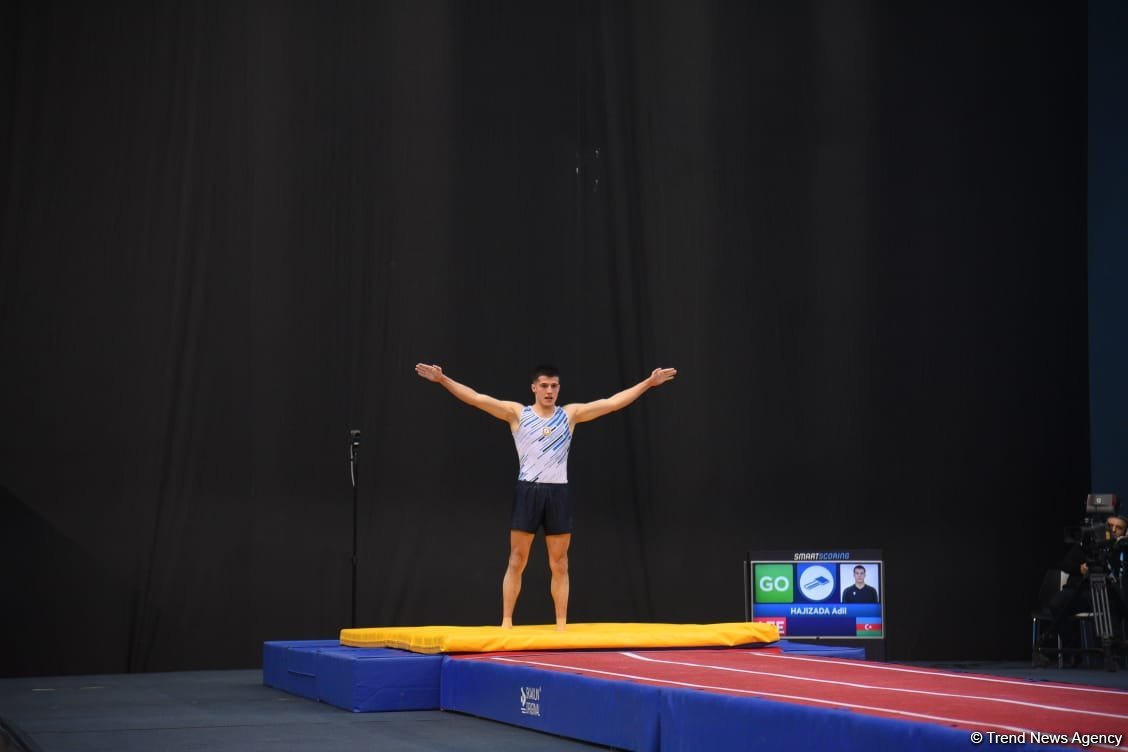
[1105, 552]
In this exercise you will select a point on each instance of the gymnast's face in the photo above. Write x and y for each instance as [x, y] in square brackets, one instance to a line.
[546, 389]
[859, 577]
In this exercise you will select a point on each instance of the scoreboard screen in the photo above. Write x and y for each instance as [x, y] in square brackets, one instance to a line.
[817, 594]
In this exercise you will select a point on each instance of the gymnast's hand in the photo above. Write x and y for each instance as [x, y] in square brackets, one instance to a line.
[660, 376]
[431, 373]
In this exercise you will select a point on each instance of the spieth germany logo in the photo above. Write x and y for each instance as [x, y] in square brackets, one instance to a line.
[530, 701]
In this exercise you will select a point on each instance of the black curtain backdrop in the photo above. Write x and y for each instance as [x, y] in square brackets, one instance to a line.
[1107, 186]
[230, 230]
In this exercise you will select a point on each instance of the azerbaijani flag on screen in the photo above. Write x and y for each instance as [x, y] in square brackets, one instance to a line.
[868, 626]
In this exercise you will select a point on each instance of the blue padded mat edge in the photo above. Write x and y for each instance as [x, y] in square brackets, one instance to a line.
[360, 680]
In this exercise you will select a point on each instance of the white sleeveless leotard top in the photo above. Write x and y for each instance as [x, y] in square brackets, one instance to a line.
[542, 446]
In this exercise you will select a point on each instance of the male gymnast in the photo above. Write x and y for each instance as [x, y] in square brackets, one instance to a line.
[542, 432]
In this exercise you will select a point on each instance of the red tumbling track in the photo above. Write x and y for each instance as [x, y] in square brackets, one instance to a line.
[970, 701]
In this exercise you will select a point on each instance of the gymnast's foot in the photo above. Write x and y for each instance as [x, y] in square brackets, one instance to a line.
[507, 623]
[561, 626]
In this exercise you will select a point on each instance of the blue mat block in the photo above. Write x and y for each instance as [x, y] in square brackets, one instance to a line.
[695, 721]
[356, 679]
[826, 651]
[291, 665]
[613, 713]
[377, 679]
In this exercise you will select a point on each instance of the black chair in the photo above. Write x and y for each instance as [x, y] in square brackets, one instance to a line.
[1046, 643]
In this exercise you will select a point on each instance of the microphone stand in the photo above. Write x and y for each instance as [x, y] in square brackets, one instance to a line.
[354, 475]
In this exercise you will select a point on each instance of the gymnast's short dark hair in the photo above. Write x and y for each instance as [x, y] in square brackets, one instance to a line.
[544, 369]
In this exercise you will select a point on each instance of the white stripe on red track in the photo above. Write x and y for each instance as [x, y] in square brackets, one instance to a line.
[761, 693]
[877, 687]
[559, 664]
[952, 675]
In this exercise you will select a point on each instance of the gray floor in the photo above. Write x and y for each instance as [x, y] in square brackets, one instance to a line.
[223, 711]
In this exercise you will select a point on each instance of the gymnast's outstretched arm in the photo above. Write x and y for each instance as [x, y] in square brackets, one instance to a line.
[510, 412]
[581, 412]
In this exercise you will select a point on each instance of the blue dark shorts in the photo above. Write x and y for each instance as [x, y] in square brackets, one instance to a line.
[541, 504]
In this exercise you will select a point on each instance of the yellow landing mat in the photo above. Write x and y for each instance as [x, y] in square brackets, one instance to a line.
[545, 637]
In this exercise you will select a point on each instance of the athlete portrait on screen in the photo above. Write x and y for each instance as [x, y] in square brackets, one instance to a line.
[859, 592]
